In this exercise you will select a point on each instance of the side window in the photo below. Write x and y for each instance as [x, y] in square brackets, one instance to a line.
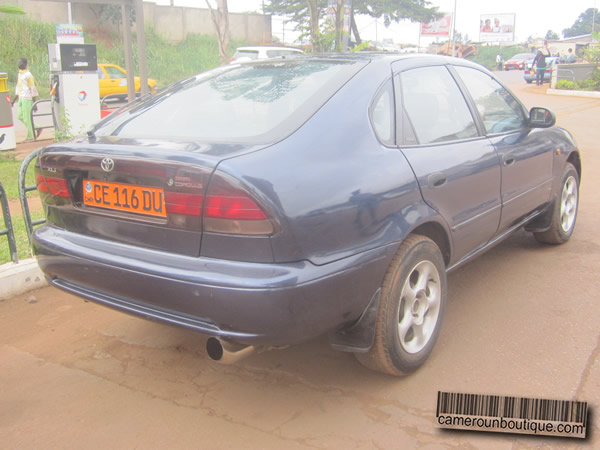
[435, 106]
[499, 110]
[101, 75]
[114, 73]
[382, 114]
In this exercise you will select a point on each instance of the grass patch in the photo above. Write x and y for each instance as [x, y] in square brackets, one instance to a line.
[23, 249]
[23, 37]
[9, 176]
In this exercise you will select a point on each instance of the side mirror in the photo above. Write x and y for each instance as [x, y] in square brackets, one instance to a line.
[541, 118]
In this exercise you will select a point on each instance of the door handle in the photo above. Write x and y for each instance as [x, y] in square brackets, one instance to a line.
[437, 179]
[508, 159]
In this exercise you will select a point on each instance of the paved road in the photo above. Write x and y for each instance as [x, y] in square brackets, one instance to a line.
[523, 320]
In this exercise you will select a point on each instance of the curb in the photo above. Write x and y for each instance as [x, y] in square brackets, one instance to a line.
[20, 278]
[589, 94]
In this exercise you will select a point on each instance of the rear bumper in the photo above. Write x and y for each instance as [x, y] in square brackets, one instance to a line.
[531, 76]
[250, 303]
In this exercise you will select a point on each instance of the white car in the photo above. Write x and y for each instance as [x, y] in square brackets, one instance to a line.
[249, 53]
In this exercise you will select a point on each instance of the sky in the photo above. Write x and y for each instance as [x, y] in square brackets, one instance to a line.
[533, 18]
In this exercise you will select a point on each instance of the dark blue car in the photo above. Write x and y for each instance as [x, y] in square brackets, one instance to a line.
[267, 203]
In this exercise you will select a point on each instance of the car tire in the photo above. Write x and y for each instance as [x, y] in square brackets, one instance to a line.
[411, 308]
[566, 205]
[528, 81]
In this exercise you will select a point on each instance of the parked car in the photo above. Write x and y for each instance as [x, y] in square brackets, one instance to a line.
[518, 61]
[529, 74]
[268, 203]
[112, 80]
[264, 52]
[383, 47]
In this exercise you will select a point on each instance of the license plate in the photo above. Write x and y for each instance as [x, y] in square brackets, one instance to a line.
[125, 197]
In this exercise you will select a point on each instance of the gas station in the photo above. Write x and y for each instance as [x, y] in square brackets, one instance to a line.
[7, 129]
[75, 98]
[75, 92]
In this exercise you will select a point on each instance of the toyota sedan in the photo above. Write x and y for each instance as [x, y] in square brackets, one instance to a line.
[264, 204]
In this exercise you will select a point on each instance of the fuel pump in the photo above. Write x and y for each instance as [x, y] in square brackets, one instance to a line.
[74, 87]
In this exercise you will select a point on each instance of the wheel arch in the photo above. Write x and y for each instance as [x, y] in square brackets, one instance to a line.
[575, 159]
[436, 232]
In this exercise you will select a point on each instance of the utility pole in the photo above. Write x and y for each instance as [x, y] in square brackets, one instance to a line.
[594, 18]
[454, 31]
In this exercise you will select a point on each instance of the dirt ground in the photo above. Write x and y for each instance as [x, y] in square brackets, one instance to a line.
[523, 320]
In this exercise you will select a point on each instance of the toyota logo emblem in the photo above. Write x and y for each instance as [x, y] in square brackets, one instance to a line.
[107, 164]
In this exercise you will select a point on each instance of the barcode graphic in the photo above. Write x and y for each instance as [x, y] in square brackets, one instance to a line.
[512, 414]
[512, 407]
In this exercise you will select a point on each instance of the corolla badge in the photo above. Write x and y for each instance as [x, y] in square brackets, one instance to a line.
[107, 164]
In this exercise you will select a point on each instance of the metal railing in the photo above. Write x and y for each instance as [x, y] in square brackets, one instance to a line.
[40, 114]
[23, 190]
[8, 231]
[565, 74]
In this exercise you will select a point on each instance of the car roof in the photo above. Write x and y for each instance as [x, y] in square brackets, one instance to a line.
[268, 47]
[399, 58]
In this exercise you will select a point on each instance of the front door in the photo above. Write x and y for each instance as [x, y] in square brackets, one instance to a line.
[525, 154]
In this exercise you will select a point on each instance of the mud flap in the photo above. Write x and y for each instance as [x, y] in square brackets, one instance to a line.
[358, 337]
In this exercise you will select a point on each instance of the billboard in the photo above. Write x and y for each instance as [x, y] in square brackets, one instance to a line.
[437, 27]
[69, 34]
[497, 28]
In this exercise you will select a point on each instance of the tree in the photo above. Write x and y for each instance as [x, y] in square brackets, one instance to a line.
[10, 9]
[388, 10]
[552, 36]
[305, 14]
[105, 13]
[220, 18]
[393, 11]
[583, 24]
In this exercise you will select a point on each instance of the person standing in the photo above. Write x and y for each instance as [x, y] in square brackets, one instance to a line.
[26, 93]
[499, 61]
[539, 62]
[571, 59]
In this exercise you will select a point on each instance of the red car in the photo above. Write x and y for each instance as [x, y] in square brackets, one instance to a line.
[518, 61]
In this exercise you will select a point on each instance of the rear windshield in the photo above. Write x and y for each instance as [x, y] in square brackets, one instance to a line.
[278, 53]
[256, 103]
[252, 54]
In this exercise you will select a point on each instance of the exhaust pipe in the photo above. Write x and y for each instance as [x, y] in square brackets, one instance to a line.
[226, 352]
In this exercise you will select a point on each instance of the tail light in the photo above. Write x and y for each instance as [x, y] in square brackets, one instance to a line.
[184, 203]
[229, 208]
[226, 208]
[53, 186]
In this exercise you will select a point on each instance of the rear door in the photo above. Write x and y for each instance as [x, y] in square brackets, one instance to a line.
[526, 155]
[458, 169]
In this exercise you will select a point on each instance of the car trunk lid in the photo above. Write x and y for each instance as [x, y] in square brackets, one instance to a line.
[145, 193]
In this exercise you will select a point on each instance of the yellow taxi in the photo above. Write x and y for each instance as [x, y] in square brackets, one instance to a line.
[113, 80]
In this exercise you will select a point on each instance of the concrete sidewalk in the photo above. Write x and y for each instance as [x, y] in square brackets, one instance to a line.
[16, 279]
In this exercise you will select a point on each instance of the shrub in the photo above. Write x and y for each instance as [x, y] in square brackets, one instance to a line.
[565, 84]
[591, 84]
